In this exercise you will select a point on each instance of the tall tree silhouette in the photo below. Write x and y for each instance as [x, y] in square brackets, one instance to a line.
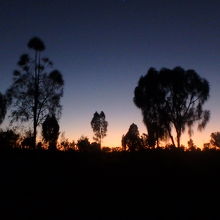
[99, 126]
[3, 107]
[35, 92]
[132, 140]
[50, 131]
[177, 97]
[149, 97]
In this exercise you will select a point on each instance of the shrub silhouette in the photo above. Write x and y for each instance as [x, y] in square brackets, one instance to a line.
[50, 131]
[131, 140]
[8, 139]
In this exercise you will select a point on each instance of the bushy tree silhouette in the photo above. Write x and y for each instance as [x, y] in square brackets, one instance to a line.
[215, 139]
[172, 99]
[131, 140]
[50, 131]
[28, 140]
[83, 144]
[8, 139]
[35, 92]
[99, 126]
[191, 145]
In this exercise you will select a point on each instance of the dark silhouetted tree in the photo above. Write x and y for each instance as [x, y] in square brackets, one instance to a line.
[65, 144]
[28, 140]
[132, 140]
[150, 98]
[50, 131]
[191, 145]
[35, 91]
[3, 107]
[215, 139]
[172, 99]
[83, 144]
[8, 139]
[99, 126]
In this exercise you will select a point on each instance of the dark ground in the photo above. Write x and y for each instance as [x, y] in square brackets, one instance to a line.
[150, 185]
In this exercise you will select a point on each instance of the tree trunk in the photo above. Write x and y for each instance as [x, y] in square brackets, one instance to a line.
[178, 138]
[170, 135]
[36, 94]
[100, 143]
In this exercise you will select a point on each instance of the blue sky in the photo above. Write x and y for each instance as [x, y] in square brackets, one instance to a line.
[103, 47]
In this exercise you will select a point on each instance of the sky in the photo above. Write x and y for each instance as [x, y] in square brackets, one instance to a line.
[102, 47]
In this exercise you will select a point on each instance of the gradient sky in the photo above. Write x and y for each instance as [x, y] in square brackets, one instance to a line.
[102, 47]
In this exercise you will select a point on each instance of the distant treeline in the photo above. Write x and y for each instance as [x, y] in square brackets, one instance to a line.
[171, 102]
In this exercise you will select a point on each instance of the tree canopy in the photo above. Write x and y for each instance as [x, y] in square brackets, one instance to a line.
[36, 89]
[172, 98]
[215, 139]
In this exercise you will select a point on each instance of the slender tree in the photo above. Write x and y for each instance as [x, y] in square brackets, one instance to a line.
[174, 101]
[35, 92]
[99, 126]
[50, 131]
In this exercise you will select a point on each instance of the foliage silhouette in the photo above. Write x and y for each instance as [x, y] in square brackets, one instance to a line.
[83, 144]
[35, 92]
[8, 139]
[191, 145]
[172, 99]
[65, 144]
[131, 140]
[28, 140]
[50, 131]
[3, 107]
[215, 139]
[99, 126]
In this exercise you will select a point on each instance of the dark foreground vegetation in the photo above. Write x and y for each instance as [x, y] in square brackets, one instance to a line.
[156, 184]
[141, 180]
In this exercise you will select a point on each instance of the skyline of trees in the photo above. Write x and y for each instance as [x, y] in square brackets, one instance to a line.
[170, 99]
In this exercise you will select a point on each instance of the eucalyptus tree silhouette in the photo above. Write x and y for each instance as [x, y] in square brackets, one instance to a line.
[3, 107]
[150, 98]
[131, 140]
[172, 99]
[99, 126]
[35, 92]
[50, 131]
[215, 139]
